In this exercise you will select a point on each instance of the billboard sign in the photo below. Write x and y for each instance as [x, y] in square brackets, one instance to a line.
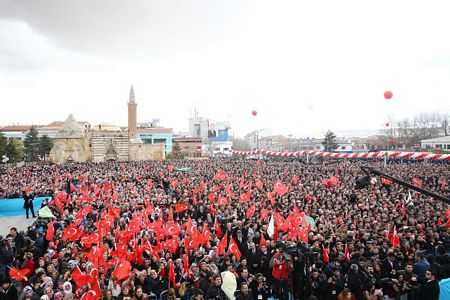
[217, 131]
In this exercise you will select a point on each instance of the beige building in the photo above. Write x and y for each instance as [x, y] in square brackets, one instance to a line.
[104, 142]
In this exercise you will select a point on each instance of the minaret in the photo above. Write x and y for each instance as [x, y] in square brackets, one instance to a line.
[132, 112]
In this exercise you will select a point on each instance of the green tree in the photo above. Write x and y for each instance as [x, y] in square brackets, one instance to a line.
[15, 151]
[329, 141]
[31, 145]
[3, 144]
[45, 145]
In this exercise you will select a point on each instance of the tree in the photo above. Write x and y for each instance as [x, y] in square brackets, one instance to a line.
[14, 151]
[45, 145]
[3, 144]
[329, 141]
[31, 144]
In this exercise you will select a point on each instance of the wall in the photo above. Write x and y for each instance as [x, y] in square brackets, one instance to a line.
[101, 140]
[147, 152]
[77, 149]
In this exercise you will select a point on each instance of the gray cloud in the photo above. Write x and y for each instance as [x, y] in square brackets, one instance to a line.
[122, 28]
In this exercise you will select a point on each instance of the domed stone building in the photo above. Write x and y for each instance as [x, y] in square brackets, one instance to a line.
[105, 142]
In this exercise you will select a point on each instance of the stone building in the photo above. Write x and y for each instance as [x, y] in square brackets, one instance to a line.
[105, 142]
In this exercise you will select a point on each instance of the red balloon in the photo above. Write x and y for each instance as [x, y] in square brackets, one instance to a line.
[254, 113]
[388, 95]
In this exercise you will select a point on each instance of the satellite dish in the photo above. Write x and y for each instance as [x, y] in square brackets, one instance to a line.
[5, 159]
[3, 156]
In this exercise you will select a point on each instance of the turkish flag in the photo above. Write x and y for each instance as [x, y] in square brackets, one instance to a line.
[217, 228]
[221, 175]
[251, 211]
[394, 238]
[262, 241]
[233, 249]
[190, 228]
[190, 243]
[94, 293]
[222, 201]
[245, 197]
[385, 181]
[326, 258]
[295, 179]
[173, 229]
[347, 253]
[259, 184]
[121, 250]
[171, 275]
[303, 235]
[417, 182]
[79, 277]
[186, 264]
[181, 207]
[170, 167]
[206, 234]
[447, 224]
[212, 209]
[122, 270]
[18, 274]
[71, 233]
[50, 232]
[222, 245]
[280, 188]
[264, 213]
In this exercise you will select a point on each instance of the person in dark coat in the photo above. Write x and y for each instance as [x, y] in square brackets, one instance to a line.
[7, 290]
[28, 203]
[215, 290]
[430, 290]
[244, 293]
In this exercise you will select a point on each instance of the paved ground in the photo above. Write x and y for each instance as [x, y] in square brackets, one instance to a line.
[21, 223]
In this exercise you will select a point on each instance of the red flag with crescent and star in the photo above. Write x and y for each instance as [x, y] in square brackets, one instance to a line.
[233, 249]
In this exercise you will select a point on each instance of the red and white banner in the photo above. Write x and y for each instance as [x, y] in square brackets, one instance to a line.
[381, 154]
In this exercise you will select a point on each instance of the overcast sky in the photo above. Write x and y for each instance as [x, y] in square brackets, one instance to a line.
[304, 66]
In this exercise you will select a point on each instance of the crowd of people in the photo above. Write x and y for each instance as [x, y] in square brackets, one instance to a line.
[227, 229]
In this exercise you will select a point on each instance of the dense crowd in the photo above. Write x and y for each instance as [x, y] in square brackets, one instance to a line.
[227, 229]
